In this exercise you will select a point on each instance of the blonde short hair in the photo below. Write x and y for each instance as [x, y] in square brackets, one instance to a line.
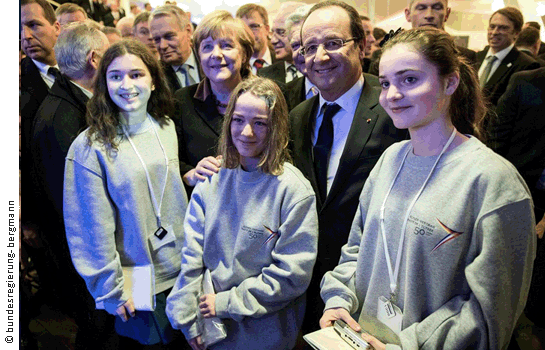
[221, 23]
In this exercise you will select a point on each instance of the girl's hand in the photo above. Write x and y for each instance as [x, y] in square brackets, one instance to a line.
[208, 166]
[374, 342]
[207, 306]
[126, 310]
[331, 315]
[196, 343]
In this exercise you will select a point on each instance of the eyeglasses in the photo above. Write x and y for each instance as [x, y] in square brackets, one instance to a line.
[331, 45]
[255, 26]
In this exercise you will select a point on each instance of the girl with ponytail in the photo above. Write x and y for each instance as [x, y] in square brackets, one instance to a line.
[442, 246]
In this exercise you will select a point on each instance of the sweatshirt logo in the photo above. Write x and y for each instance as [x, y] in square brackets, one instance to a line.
[451, 235]
[271, 236]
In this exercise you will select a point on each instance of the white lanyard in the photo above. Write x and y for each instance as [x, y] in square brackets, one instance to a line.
[395, 273]
[156, 207]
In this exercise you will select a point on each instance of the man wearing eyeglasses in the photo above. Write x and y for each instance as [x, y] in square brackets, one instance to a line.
[257, 18]
[284, 70]
[336, 146]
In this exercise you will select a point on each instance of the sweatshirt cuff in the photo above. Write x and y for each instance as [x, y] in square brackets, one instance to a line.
[222, 303]
[338, 301]
[392, 347]
[191, 331]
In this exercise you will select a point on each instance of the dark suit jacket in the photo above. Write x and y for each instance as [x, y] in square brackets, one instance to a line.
[296, 90]
[531, 55]
[371, 132]
[198, 125]
[108, 18]
[33, 92]
[519, 131]
[276, 72]
[512, 63]
[172, 79]
[60, 118]
[469, 54]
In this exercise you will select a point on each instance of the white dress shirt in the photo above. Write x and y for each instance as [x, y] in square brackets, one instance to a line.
[43, 68]
[266, 57]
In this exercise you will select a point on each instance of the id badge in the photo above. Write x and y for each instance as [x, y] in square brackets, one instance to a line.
[389, 314]
[161, 237]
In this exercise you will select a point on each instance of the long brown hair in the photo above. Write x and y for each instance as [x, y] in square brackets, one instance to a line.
[467, 108]
[276, 152]
[103, 114]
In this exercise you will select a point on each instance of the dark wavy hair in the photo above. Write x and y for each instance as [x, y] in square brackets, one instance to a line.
[103, 114]
[468, 107]
[276, 151]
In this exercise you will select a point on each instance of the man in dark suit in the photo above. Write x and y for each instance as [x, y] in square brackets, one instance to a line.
[171, 30]
[39, 32]
[257, 18]
[528, 42]
[519, 136]
[336, 151]
[518, 133]
[283, 71]
[60, 118]
[502, 59]
[434, 13]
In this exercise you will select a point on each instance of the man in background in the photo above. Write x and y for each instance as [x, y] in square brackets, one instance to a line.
[433, 13]
[171, 31]
[257, 18]
[284, 70]
[502, 59]
[142, 33]
[68, 13]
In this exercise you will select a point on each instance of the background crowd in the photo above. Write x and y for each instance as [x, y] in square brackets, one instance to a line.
[63, 77]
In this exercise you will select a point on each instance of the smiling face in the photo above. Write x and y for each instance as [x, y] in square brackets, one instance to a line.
[38, 36]
[221, 60]
[501, 32]
[333, 73]
[295, 43]
[249, 129]
[433, 13]
[413, 93]
[172, 42]
[279, 40]
[129, 86]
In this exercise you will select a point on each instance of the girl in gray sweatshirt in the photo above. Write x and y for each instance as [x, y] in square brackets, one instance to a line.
[124, 200]
[442, 245]
[254, 226]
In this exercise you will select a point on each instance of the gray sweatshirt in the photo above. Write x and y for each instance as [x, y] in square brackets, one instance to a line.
[466, 292]
[257, 234]
[108, 212]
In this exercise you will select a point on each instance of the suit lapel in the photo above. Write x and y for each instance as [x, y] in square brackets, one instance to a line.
[303, 143]
[360, 131]
[209, 114]
[505, 66]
